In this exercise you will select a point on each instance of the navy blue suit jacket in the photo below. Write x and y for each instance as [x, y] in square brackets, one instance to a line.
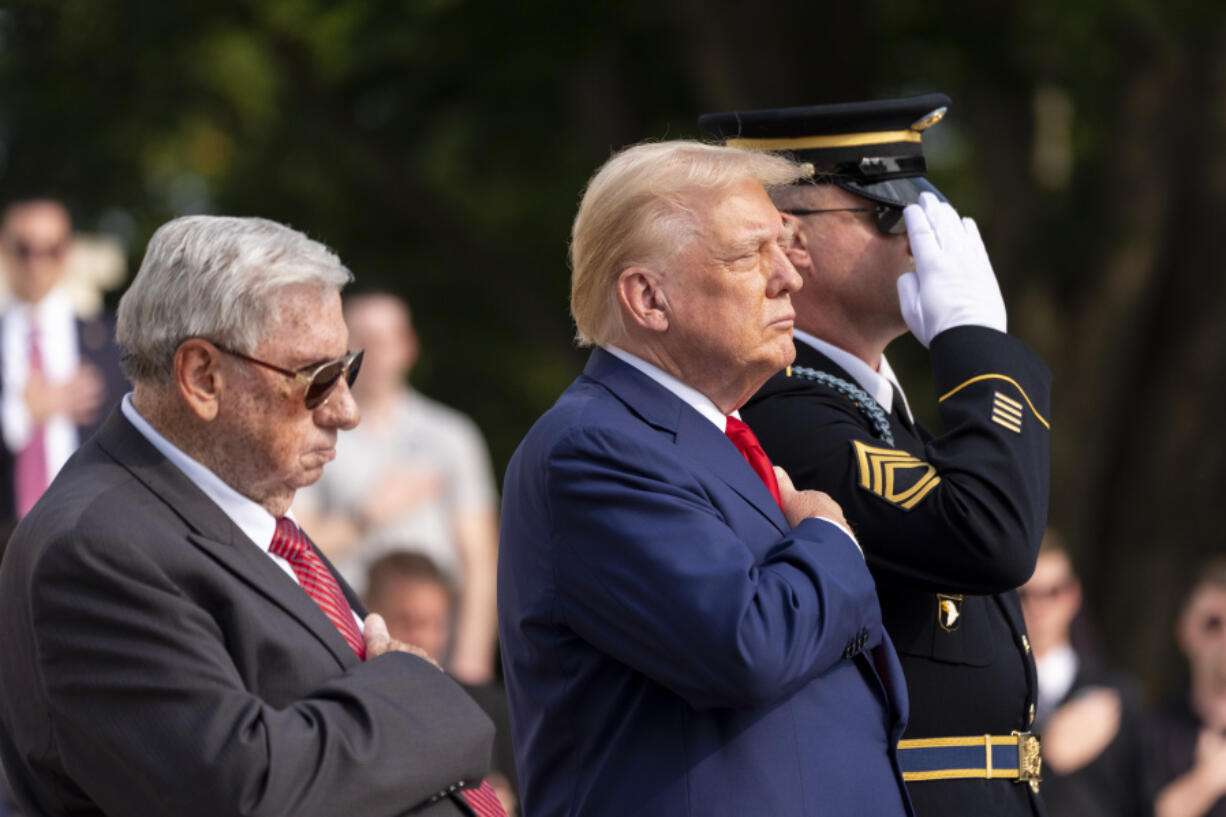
[671, 645]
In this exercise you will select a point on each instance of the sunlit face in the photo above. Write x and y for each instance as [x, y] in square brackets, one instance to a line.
[417, 612]
[1050, 601]
[35, 238]
[854, 266]
[729, 292]
[267, 444]
[1202, 636]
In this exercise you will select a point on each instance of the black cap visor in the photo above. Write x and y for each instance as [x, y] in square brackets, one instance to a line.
[895, 192]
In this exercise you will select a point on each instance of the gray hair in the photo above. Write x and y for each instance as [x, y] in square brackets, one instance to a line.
[215, 277]
[637, 211]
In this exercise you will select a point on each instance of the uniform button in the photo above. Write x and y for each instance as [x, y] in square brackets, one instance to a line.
[459, 782]
[1030, 722]
[1026, 643]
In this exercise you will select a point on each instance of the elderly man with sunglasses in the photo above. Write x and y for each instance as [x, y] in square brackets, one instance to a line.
[950, 522]
[173, 643]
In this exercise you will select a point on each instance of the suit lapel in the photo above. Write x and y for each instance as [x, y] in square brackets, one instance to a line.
[210, 530]
[695, 435]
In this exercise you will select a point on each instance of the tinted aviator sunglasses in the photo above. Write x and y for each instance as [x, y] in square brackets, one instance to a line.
[888, 218]
[320, 381]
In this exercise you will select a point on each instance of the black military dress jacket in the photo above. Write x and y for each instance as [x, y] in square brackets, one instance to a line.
[950, 526]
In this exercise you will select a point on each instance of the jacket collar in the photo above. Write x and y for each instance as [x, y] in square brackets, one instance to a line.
[694, 434]
[210, 530]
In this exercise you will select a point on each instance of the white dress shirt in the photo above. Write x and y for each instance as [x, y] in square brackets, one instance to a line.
[60, 355]
[247, 515]
[880, 385]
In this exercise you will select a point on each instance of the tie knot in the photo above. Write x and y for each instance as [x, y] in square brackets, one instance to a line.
[737, 430]
[288, 540]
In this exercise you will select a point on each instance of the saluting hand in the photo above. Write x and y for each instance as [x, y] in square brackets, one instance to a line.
[953, 283]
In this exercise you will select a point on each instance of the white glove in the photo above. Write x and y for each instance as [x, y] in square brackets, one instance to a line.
[953, 283]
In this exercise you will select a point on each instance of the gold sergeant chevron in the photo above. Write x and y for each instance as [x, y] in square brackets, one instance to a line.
[1007, 412]
[899, 478]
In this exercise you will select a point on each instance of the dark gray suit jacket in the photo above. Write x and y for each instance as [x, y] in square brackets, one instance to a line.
[154, 661]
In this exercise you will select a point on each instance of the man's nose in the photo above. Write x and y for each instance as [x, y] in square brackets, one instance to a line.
[341, 411]
[783, 276]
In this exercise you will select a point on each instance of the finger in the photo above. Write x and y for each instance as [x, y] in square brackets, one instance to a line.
[975, 240]
[375, 633]
[919, 232]
[785, 482]
[945, 221]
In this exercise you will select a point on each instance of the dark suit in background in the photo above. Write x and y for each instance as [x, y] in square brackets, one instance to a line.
[96, 347]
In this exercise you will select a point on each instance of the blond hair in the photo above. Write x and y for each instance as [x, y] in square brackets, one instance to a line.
[637, 211]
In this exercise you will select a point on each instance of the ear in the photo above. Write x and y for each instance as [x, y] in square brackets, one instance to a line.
[198, 377]
[797, 249]
[640, 293]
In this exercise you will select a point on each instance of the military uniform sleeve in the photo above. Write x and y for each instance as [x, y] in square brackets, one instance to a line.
[962, 512]
[652, 572]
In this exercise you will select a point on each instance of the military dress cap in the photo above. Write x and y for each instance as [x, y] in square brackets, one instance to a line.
[872, 149]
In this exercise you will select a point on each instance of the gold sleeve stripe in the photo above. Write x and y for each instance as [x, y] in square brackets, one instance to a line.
[1009, 401]
[1005, 378]
[1004, 408]
[839, 140]
[1009, 424]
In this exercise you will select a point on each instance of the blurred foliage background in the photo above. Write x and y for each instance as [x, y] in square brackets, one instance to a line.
[440, 146]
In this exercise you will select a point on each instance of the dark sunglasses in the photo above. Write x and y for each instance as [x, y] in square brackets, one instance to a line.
[888, 217]
[320, 381]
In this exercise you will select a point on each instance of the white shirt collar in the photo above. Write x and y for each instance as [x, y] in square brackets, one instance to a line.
[249, 516]
[880, 385]
[687, 394]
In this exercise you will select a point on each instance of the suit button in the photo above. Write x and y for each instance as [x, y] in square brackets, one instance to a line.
[1025, 644]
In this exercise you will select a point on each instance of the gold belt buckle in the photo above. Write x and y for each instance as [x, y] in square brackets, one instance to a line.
[1029, 761]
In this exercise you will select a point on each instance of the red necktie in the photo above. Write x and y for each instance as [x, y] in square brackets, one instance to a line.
[30, 465]
[747, 444]
[291, 545]
[483, 801]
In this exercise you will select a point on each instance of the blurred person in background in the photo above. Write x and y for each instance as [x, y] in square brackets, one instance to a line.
[59, 373]
[414, 471]
[417, 601]
[1096, 761]
[1191, 729]
[950, 522]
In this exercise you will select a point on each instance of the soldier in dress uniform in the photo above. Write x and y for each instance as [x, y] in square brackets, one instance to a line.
[950, 522]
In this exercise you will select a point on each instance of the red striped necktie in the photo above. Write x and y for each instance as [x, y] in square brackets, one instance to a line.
[30, 464]
[747, 443]
[291, 545]
[483, 801]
